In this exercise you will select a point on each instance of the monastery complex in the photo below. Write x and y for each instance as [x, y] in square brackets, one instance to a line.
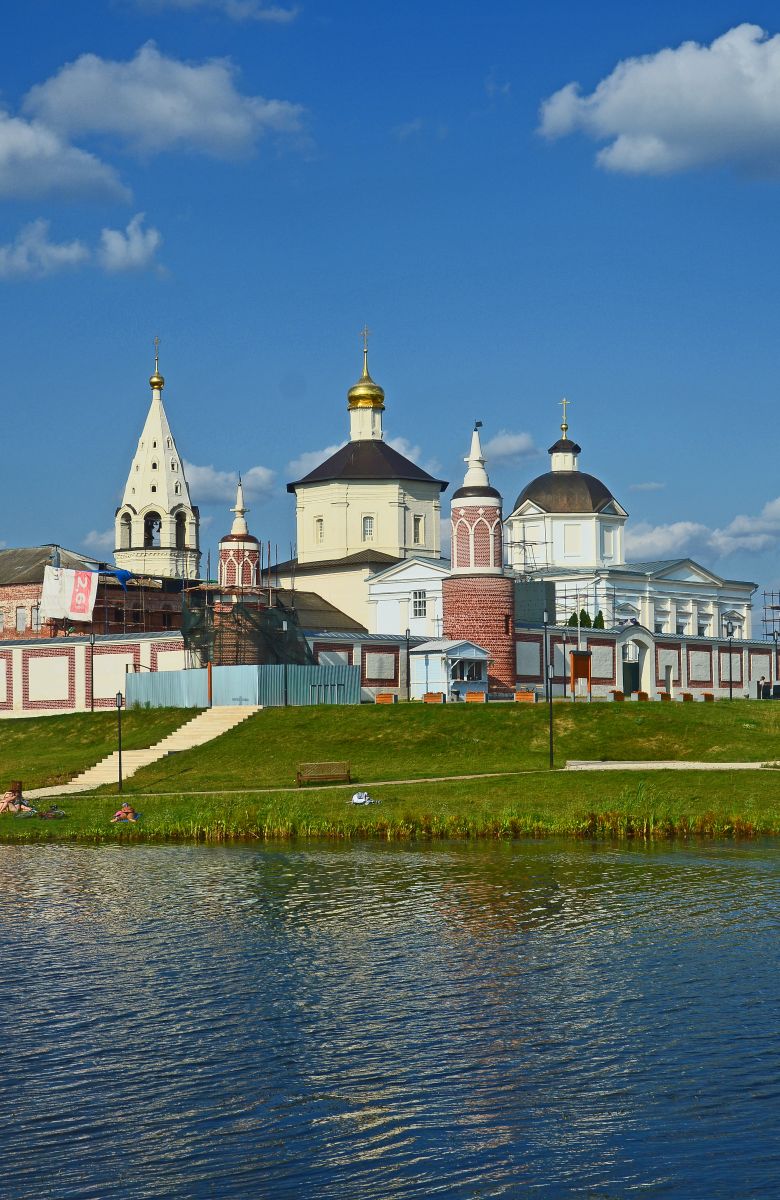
[539, 597]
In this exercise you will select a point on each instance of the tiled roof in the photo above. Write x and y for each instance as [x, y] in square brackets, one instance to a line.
[368, 458]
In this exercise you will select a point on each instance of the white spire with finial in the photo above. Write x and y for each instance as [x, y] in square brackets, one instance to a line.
[239, 526]
[476, 476]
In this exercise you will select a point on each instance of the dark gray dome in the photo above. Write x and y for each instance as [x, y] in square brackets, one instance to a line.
[566, 492]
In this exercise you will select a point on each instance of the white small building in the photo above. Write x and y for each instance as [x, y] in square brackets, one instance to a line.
[407, 595]
[447, 666]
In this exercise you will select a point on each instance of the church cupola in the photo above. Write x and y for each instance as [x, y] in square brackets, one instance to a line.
[156, 525]
[239, 551]
[478, 599]
[366, 403]
[563, 453]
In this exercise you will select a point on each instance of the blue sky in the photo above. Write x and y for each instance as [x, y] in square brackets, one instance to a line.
[254, 181]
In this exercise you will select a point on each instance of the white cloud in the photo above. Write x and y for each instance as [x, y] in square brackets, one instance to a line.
[691, 106]
[495, 88]
[237, 10]
[153, 102]
[31, 254]
[100, 541]
[676, 540]
[509, 447]
[131, 250]
[300, 467]
[210, 486]
[405, 447]
[650, 486]
[36, 161]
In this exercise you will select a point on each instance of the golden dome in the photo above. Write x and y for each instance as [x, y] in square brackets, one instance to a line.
[156, 380]
[366, 393]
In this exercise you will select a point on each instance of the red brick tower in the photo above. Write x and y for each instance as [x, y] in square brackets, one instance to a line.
[239, 551]
[478, 599]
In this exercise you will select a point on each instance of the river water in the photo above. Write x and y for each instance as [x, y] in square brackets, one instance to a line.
[514, 1019]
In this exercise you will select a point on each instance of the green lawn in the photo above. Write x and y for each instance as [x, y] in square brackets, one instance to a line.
[413, 741]
[614, 805]
[51, 750]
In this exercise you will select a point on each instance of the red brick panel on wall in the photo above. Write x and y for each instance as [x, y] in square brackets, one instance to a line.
[125, 648]
[335, 647]
[605, 679]
[675, 647]
[707, 680]
[7, 657]
[59, 650]
[158, 648]
[723, 667]
[367, 680]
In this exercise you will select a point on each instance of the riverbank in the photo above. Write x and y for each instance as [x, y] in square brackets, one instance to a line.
[493, 760]
[534, 804]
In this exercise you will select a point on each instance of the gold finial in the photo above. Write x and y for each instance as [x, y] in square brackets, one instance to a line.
[156, 380]
[564, 405]
[366, 393]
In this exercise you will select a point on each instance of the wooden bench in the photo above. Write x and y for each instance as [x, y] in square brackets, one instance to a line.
[525, 697]
[434, 698]
[385, 698]
[323, 772]
[476, 697]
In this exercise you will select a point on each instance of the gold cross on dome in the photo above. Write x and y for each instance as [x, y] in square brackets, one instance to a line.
[156, 352]
[564, 405]
[365, 333]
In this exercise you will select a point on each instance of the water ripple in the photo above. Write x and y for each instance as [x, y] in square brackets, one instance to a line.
[522, 1019]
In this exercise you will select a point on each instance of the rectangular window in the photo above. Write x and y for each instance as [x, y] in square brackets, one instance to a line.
[659, 627]
[419, 604]
[703, 629]
[682, 626]
[368, 529]
[319, 529]
[36, 617]
[419, 531]
[21, 620]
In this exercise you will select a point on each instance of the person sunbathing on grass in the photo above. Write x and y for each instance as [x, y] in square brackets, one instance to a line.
[14, 802]
[125, 813]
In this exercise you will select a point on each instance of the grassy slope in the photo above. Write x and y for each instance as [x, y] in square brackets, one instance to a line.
[400, 742]
[51, 750]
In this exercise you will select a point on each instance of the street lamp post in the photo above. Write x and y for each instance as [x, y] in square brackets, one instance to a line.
[730, 635]
[407, 635]
[92, 671]
[548, 672]
[119, 733]
[774, 676]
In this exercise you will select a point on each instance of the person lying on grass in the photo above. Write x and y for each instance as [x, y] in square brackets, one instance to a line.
[125, 813]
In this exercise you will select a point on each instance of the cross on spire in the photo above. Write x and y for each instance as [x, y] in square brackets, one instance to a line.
[564, 403]
[365, 333]
[156, 353]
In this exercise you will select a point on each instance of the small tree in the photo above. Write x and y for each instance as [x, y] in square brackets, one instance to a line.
[573, 619]
[585, 621]
[598, 621]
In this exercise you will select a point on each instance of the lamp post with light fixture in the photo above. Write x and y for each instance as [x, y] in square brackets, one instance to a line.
[730, 636]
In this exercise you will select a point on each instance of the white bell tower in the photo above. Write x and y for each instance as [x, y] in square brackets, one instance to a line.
[156, 526]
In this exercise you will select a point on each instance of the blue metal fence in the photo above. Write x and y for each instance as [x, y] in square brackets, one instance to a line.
[271, 686]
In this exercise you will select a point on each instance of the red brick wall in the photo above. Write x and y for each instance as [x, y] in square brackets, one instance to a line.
[481, 609]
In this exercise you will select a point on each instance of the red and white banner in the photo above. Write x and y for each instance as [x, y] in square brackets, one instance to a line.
[68, 594]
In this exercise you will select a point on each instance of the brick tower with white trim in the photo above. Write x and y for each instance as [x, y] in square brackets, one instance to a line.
[239, 551]
[478, 598]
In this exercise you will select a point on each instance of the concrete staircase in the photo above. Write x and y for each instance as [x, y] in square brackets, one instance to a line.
[203, 728]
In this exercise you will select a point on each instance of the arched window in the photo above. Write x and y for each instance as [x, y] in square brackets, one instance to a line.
[154, 466]
[153, 487]
[152, 524]
[368, 529]
[177, 489]
[482, 554]
[246, 573]
[230, 574]
[125, 531]
[181, 531]
[174, 465]
[170, 443]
